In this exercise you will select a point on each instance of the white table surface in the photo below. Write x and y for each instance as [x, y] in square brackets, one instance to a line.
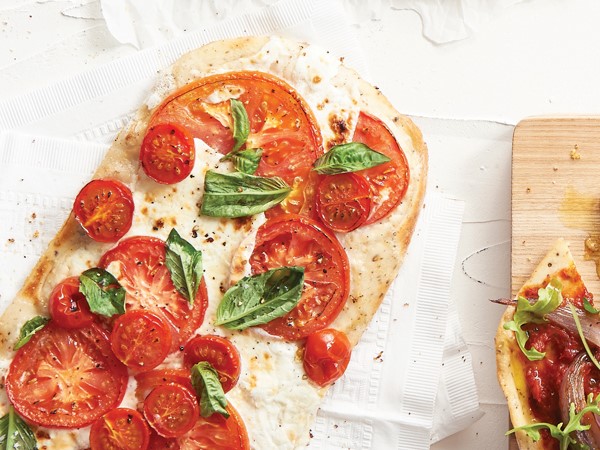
[537, 57]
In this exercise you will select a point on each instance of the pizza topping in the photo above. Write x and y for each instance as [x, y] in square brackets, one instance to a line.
[589, 307]
[15, 433]
[29, 328]
[246, 161]
[104, 208]
[104, 294]
[171, 410]
[260, 298]
[241, 124]
[350, 157]
[68, 306]
[146, 381]
[167, 154]
[326, 356]
[120, 429]
[239, 194]
[141, 340]
[185, 265]
[205, 380]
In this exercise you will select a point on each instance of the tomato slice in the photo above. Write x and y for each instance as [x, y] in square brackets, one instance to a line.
[104, 208]
[388, 181]
[120, 429]
[157, 442]
[147, 381]
[343, 201]
[66, 378]
[326, 356]
[281, 123]
[167, 154]
[292, 240]
[171, 410]
[141, 339]
[147, 281]
[68, 307]
[220, 353]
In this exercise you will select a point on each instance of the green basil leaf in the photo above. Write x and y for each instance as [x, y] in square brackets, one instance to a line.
[15, 433]
[549, 298]
[241, 124]
[205, 380]
[247, 160]
[350, 157]
[185, 265]
[29, 328]
[589, 307]
[258, 299]
[104, 294]
[239, 194]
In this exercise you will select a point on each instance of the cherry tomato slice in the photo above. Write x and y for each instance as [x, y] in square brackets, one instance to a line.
[220, 353]
[171, 409]
[68, 307]
[291, 240]
[147, 381]
[104, 208]
[281, 123]
[343, 201]
[326, 356]
[167, 154]
[141, 339]
[157, 442]
[66, 378]
[147, 281]
[120, 429]
[388, 181]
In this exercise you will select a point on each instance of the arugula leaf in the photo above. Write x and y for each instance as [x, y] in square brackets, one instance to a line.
[205, 380]
[29, 328]
[563, 435]
[104, 294]
[258, 299]
[247, 160]
[589, 307]
[185, 265]
[350, 157]
[549, 298]
[239, 194]
[15, 433]
[241, 124]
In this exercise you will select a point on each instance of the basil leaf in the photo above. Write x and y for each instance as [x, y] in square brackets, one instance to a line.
[205, 380]
[350, 157]
[258, 299]
[241, 124]
[103, 292]
[247, 160]
[589, 307]
[29, 328]
[15, 433]
[239, 194]
[185, 265]
[549, 298]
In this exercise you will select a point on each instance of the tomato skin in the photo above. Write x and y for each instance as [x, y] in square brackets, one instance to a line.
[343, 201]
[66, 378]
[171, 410]
[146, 381]
[104, 209]
[292, 240]
[68, 307]
[140, 339]
[157, 442]
[326, 356]
[148, 284]
[220, 353]
[168, 153]
[120, 429]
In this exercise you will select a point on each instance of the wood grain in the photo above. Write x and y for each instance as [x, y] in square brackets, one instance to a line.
[555, 193]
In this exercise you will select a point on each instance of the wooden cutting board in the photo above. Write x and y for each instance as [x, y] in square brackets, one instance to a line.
[555, 193]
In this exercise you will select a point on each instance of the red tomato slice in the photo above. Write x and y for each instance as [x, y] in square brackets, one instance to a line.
[220, 353]
[157, 442]
[68, 307]
[217, 433]
[147, 381]
[168, 153]
[147, 280]
[171, 409]
[120, 429]
[343, 201]
[388, 181]
[141, 340]
[292, 240]
[104, 208]
[281, 123]
[66, 378]
[326, 356]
